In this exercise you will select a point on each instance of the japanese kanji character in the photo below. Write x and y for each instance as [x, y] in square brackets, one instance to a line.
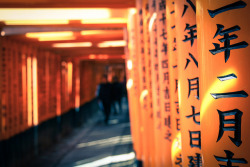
[241, 93]
[177, 107]
[178, 161]
[229, 159]
[163, 18]
[164, 63]
[162, 5]
[164, 48]
[195, 161]
[166, 76]
[193, 86]
[192, 32]
[226, 39]
[168, 135]
[227, 77]
[167, 121]
[235, 125]
[236, 5]
[194, 115]
[195, 141]
[186, 7]
[164, 33]
[167, 107]
[176, 85]
[156, 67]
[178, 124]
[194, 60]
[166, 93]
[153, 4]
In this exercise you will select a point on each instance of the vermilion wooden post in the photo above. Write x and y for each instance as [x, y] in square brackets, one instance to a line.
[188, 82]
[163, 66]
[223, 46]
[173, 78]
[155, 84]
[145, 91]
[132, 72]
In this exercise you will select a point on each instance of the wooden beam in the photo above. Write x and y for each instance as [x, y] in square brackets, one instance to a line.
[67, 3]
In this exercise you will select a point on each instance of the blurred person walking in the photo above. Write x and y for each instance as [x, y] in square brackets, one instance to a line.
[104, 96]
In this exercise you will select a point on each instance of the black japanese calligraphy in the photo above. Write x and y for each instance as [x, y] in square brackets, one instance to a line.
[168, 135]
[241, 93]
[230, 160]
[235, 125]
[164, 63]
[194, 115]
[236, 5]
[178, 161]
[167, 121]
[186, 7]
[167, 107]
[163, 18]
[192, 32]
[193, 84]
[162, 5]
[178, 124]
[195, 161]
[226, 39]
[194, 60]
[164, 34]
[195, 139]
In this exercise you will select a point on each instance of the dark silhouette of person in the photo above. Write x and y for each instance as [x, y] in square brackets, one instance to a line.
[104, 95]
[116, 95]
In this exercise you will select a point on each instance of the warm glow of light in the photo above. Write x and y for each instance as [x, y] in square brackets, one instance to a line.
[109, 160]
[54, 13]
[35, 94]
[49, 34]
[129, 64]
[217, 87]
[105, 21]
[132, 11]
[70, 75]
[71, 45]
[103, 56]
[129, 83]
[2, 33]
[57, 38]
[29, 91]
[151, 21]
[120, 43]
[144, 93]
[176, 145]
[93, 32]
[92, 56]
[35, 22]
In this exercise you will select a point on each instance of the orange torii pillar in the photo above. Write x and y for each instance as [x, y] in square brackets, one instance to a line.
[146, 125]
[189, 102]
[132, 72]
[148, 82]
[164, 88]
[223, 39]
[173, 78]
[155, 83]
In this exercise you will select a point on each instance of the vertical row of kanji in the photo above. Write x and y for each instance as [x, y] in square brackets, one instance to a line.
[35, 87]
[194, 72]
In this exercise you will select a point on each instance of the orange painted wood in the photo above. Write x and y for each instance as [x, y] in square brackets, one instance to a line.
[67, 4]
